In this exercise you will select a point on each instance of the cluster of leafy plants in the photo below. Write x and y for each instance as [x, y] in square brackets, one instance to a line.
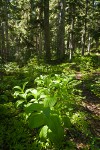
[50, 106]
[92, 82]
[47, 104]
[14, 132]
[95, 87]
[87, 63]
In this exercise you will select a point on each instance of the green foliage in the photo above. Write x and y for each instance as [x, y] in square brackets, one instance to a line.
[85, 63]
[48, 103]
[36, 120]
[14, 133]
[11, 67]
[46, 106]
[95, 143]
[43, 133]
[95, 87]
[93, 83]
[79, 119]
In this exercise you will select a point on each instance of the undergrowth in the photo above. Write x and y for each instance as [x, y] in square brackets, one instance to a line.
[39, 105]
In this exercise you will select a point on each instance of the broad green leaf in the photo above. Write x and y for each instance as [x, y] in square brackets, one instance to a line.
[50, 101]
[46, 111]
[28, 91]
[43, 133]
[32, 100]
[34, 107]
[16, 93]
[53, 122]
[23, 95]
[51, 136]
[42, 96]
[34, 93]
[36, 120]
[18, 88]
[19, 102]
[55, 138]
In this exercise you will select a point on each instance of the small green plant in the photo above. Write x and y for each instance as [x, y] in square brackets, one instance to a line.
[11, 67]
[41, 114]
[79, 120]
[46, 106]
[95, 87]
[85, 63]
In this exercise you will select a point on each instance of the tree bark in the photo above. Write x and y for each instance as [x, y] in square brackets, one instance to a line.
[72, 44]
[3, 43]
[89, 43]
[6, 30]
[61, 31]
[46, 31]
[85, 28]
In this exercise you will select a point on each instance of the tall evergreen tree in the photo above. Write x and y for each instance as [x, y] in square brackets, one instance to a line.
[61, 30]
[46, 31]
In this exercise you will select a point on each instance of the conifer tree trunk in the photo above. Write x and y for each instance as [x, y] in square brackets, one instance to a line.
[3, 43]
[40, 30]
[6, 30]
[61, 31]
[2, 32]
[46, 31]
[0, 36]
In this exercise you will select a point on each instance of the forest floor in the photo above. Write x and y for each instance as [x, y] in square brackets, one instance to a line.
[12, 130]
[91, 105]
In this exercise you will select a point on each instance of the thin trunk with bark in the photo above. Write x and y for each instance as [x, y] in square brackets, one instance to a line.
[72, 41]
[89, 43]
[84, 29]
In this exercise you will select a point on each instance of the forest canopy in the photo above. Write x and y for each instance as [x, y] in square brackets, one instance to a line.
[51, 29]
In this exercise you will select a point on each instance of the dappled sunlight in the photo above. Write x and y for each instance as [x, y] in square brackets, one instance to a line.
[49, 75]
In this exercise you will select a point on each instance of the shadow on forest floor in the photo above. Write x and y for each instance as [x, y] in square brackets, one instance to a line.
[91, 106]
